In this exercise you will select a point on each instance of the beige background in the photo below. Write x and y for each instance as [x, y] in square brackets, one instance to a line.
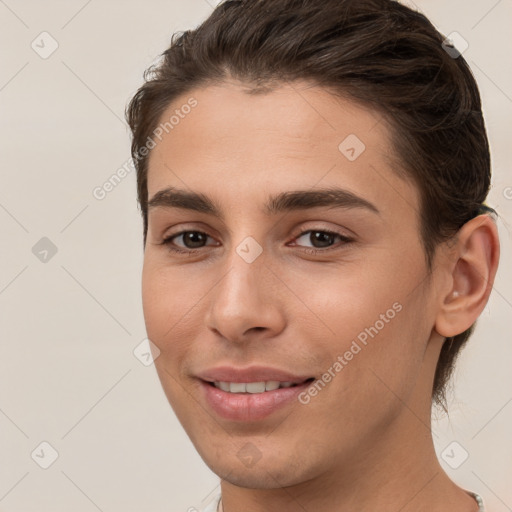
[68, 375]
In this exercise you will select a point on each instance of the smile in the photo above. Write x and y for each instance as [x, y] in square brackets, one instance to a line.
[252, 387]
[250, 401]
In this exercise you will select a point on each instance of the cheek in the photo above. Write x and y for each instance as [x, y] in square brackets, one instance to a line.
[346, 299]
[164, 307]
[374, 318]
[169, 325]
[168, 299]
[157, 302]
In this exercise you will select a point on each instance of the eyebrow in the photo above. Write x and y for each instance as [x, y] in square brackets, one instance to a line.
[283, 202]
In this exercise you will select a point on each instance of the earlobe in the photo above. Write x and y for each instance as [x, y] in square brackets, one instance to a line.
[473, 269]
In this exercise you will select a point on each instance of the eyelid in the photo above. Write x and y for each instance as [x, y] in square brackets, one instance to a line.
[323, 230]
[317, 226]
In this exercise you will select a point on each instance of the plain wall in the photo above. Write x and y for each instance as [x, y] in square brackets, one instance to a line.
[68, 326]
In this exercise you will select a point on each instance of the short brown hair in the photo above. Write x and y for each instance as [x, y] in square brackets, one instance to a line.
[381, 54]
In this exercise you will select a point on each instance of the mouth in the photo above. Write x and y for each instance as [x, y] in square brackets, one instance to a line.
[250, 395]
[256, 387]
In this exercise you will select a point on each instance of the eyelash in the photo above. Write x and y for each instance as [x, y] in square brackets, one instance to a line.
[346, 240]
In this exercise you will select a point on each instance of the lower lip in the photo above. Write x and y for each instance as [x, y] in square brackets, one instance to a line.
[250, 406]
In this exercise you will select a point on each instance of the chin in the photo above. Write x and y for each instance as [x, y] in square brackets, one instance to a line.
[245, 467]
[254, 478]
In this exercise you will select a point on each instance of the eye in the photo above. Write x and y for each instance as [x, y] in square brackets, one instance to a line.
[192, 241]
[322, 239]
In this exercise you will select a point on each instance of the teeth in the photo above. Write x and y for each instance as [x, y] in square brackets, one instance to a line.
[252, 387]
[237, 387]
[271, 385]
[223, 385]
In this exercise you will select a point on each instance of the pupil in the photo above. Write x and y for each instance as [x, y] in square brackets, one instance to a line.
[191, 237]
[320, 236]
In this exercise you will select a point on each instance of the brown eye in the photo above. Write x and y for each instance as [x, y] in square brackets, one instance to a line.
[193, 239]
[322, 238]
[190, 241]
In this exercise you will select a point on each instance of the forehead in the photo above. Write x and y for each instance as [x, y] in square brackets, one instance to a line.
[296, 136]
[296, 115]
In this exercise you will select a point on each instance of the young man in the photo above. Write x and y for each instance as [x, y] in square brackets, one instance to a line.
[311, 177]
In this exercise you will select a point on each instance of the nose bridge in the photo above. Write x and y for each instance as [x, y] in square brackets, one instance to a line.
[242, 284]
[243, 298]
[244, 248]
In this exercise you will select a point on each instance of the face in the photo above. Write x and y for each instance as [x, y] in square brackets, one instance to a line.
[265, 278]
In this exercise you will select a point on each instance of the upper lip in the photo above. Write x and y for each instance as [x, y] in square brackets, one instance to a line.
[250, 374]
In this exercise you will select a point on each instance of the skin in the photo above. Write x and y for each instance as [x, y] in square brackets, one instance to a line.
[364, 442]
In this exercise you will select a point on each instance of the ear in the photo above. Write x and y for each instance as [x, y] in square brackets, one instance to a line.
[472, 271]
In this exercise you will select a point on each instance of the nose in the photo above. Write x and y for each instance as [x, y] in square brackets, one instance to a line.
[246, 303]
